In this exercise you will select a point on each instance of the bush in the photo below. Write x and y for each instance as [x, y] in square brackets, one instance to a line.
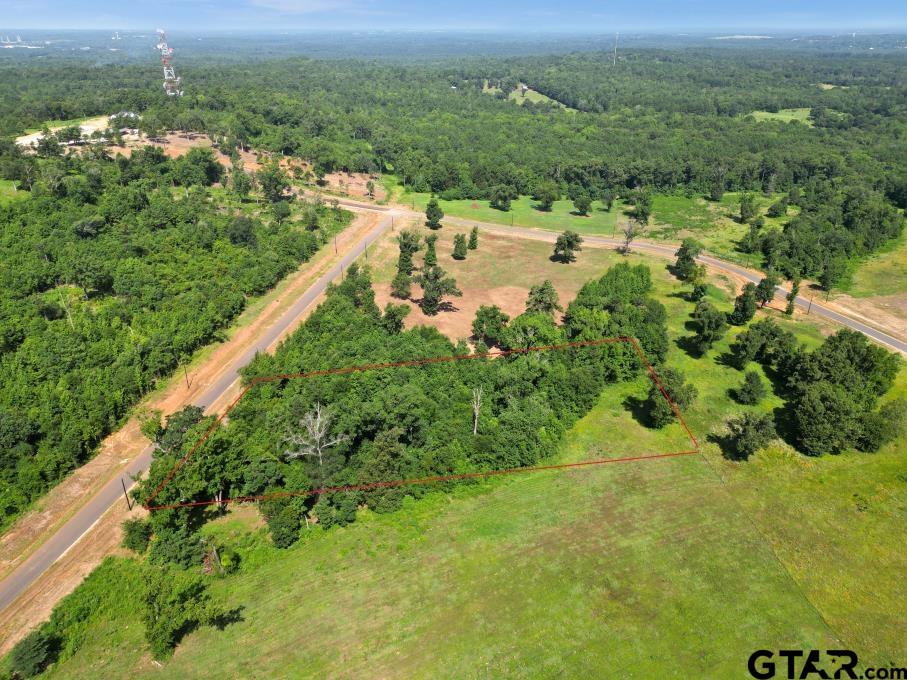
[752, 390]
[136, 535]
[33, 654]
[750, 432]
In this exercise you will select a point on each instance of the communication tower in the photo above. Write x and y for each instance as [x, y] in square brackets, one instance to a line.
[173, 84]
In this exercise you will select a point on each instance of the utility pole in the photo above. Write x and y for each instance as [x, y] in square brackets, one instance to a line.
[809, 308]
[186, 376]
[614, 60]
[128, 502]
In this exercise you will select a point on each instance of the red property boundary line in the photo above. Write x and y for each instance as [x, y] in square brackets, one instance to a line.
[421, 480]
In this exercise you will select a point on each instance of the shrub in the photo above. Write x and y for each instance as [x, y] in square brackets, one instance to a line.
[136, 535]
[33, 654]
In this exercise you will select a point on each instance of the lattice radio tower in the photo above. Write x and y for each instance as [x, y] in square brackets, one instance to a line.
[173, 85]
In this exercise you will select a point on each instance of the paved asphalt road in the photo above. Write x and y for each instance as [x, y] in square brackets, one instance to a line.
[70, 533]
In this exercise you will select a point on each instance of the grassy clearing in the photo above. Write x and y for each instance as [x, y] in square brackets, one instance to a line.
[55, 124]
[9, 193]
[535, 97]
[884, 273]
[524, 213]
[800, 115]
[640, 568]
[674, 217]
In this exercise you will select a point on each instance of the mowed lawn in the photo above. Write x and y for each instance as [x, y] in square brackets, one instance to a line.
[678, 567]
[523, 212]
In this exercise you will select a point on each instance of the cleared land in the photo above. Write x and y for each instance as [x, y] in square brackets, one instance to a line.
[801, 115]
[638, 568]
[533, 96]
[8, 191]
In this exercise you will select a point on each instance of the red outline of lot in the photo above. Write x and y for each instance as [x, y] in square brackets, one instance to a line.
[421, 480]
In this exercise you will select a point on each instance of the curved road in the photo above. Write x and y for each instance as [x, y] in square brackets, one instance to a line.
[73, 530]
[669, 251]
[89, 514]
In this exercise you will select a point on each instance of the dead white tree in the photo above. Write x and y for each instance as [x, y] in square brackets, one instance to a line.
[631, 230]
[314, 435]
[476, 407]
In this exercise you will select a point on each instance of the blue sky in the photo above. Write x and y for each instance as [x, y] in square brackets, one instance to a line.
[497, 15]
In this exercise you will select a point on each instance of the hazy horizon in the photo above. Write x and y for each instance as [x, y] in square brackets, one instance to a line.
[508, 16]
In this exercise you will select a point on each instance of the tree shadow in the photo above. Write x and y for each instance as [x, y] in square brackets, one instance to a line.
[688, 344]
[785, 427]
[727, 446]
[637, 409]
[560, 260]
[229, 617]
[727, 359]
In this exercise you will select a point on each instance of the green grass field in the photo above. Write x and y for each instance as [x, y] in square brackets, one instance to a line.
[800, 115]
[884, 273]
[672, 568]
[52, 124]
[8, 191]
[524, 213]
[534, 97]
[673, 218]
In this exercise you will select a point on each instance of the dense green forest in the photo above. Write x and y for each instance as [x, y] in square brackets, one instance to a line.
[112, 272]
[659, 120]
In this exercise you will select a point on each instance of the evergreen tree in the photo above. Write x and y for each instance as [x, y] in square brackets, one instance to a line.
[401, 286]
[689, 250]
[408, 241]
[431, 257]
[459, 248]
[744, 305]
[752, 391]
[792, 296]
[433, 214]
[473, 239]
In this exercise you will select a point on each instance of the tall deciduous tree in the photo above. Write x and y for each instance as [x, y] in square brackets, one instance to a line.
[543, 298]
[436, 285]
[679, 391]
[567, 245]
[744, 305]
[490, 324]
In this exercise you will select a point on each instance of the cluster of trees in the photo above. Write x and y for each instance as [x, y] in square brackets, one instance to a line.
[398, 423]
[435, 283]
[832, 392]
[109, 277]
